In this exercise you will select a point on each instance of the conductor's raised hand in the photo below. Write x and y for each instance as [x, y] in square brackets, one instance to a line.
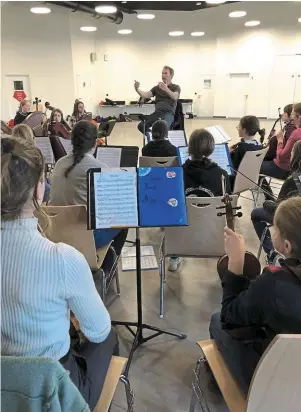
[163, 86]
[235, 249]
[136, 85]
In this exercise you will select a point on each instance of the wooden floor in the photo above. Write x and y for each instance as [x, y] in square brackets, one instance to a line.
[161, 372]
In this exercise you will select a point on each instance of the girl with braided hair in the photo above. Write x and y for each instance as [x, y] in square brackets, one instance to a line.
[69, 180]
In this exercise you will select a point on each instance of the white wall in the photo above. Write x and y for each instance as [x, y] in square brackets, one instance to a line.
[59, 54]
[40, 47]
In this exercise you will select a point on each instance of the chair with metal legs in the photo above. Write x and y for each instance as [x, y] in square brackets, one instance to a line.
[275, 385]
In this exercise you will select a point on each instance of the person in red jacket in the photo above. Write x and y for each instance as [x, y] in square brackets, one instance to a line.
[279, 167]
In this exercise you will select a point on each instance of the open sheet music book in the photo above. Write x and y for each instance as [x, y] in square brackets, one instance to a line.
[117, 156]
[43, 143]
[219, 134]
[176, 137]
[67, 144]
[221, 156]
[148, 197]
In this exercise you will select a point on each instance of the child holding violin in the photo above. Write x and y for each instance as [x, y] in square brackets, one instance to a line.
[268, 306]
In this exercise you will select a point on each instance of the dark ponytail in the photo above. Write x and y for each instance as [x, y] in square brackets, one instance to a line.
[84, 135]
[252, 126]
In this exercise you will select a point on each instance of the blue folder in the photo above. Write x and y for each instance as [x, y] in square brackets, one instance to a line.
[161, 197]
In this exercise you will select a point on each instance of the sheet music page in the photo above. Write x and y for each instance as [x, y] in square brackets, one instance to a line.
[220, 156]
[223, 132]
[43, 143]
[115, 199]
[177, 138]
[109, 156]
[217, 135]
[183, 154]
[67, 144]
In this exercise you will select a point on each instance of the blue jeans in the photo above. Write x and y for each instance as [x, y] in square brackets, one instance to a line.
[241, 358]
[150, 120]
[260, 219]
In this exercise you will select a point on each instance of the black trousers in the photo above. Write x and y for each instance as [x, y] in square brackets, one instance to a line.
[152, 118]
[241, 358]
[270, 169]
[88, 364]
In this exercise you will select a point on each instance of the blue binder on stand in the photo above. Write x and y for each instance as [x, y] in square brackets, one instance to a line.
[161, 197]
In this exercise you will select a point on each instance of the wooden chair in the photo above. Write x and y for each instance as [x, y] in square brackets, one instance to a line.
[68, 224]
[248, 173]
[113, 376]
[203, 237]
[275, 386]
[145, 161]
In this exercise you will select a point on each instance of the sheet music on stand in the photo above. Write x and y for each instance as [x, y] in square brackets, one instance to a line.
[152, 198]
[43, 143]
[117, 156]
[67, 144]
[219, 134]
[112, 199]
[221, 156]
[176, 137]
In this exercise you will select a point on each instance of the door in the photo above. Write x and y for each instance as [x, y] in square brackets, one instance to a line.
[282, 83]
[204, 100]
[237, 95]
[297, 91]
[17, 88]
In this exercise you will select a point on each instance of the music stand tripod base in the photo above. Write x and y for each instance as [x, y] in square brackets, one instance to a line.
[138, 335]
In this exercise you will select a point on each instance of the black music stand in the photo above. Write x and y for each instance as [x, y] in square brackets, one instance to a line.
[140, 118]
[139, 339]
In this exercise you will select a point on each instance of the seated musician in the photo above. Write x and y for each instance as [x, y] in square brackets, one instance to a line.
[288, 129]
[268, 306]
[57, 117]
[160, 146]
[43, 281]
[78, 110]
[263, 216]
[202, 176]
[23, 131]
[166, 95]
[279, 167]
[248, 127]
[69, 180]
[24, 111]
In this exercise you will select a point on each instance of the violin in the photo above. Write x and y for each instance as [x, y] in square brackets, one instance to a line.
[252, 267]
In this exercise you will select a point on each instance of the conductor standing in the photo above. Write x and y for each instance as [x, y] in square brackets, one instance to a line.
[166, 95]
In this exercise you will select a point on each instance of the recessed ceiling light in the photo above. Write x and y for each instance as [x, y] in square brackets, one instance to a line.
[299, 20]
[236, 14]
[145, 16]
[176, 33]
[125, 31]
[252, 23]
[197, 33]
[216, 1]
[40, 10]
[106, 9]
[88, 28]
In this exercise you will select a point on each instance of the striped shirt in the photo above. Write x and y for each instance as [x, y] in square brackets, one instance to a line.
[41, 282]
